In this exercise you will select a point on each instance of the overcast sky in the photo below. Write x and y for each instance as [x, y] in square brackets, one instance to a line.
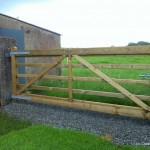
[86, 23]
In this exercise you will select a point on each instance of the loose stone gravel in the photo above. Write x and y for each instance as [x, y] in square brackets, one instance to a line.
[124, 130]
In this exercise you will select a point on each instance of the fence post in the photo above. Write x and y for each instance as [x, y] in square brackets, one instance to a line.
[70, 77]
[5, 70]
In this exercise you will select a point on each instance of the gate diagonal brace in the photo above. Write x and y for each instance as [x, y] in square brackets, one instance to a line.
[40, 75]
[113, 83]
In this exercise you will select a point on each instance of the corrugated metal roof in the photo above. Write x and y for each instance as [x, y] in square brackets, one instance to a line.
[30, 24]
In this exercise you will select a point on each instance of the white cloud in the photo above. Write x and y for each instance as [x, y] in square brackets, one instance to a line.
[90, 23]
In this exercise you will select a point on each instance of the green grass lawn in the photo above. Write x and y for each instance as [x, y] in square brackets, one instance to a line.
[102, 86]
[45, 138]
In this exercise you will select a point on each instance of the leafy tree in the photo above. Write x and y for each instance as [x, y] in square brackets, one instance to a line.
[140, 43]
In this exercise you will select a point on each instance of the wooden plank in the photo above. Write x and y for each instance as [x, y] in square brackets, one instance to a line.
[70, 77]
[113, 83]
[114, 66]
[33, 64]
[40, 75]
[50, 77]
[129, 81]
[108, 94]
[45, 88]
[107, 66]
[86, 79]
[14, 72]
[86, 105]
[87, 92]
[130, 50]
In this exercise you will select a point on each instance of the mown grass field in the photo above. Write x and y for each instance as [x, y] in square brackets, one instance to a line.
[102, 86]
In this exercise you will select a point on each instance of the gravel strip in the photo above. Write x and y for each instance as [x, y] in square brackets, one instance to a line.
[123, 130]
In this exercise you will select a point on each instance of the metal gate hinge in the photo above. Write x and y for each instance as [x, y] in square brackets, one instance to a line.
[18, 53]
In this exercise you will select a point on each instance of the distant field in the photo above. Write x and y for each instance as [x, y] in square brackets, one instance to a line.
[102, 86]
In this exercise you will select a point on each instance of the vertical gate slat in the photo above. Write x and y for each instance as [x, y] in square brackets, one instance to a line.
[14, 72]
[70, 77]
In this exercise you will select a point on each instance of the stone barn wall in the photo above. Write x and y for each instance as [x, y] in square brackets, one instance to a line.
[35, 38]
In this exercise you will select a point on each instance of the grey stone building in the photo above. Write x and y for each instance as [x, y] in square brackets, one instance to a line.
[30, 37]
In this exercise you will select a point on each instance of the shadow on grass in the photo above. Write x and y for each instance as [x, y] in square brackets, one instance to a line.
[8, 124]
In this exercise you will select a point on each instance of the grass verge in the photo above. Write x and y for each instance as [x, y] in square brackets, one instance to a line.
[8, 124]
[44, 138]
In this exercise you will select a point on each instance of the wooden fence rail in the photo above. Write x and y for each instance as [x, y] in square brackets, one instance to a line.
[86, 79]
[87, 105]
[108, 66]
[131, 50]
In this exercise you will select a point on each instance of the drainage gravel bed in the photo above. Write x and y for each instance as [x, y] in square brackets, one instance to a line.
[124, 130]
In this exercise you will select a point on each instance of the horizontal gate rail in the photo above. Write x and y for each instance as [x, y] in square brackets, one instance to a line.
[108, 66]
[113, 66]
[86, 79]
[86, 105]
[19, 53]
[131, 50]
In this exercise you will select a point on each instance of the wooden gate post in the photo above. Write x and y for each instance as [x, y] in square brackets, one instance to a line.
[5, 70]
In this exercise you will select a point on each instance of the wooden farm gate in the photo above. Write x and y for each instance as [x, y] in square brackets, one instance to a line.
[21, 91]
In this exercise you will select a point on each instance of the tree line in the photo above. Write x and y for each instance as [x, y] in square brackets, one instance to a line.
[140, 43]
